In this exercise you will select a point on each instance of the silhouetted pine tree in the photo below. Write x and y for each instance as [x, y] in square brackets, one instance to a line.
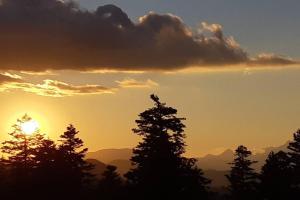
[276, 177]
[4, 187]
[45, 155]
[160, 171]
[46, 173]
[111, 185]
[19, 151]
[242, 177]
[294, 155]
[73, 168]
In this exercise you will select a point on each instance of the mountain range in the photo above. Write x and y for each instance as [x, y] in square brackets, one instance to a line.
[214, 166]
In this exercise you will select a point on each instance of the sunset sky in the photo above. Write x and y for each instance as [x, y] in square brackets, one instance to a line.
[230, 67]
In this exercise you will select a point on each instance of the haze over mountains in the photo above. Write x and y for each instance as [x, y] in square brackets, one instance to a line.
[117, 157]
[109, 155]
[214, 166]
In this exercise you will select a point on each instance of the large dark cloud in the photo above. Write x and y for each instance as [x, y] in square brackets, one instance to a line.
[38, 35]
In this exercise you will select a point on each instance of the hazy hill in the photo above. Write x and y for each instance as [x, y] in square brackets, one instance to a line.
[99, 167]
[261, 157]
[218, 178]
[109, 155]
[220, 162]
[123, 165]
[214, 166]
[121, 157]
[216, 162]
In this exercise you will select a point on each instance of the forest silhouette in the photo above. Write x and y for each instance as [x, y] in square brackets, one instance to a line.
[36, 167]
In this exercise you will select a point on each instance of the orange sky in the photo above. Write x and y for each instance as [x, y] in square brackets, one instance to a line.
[257, 108]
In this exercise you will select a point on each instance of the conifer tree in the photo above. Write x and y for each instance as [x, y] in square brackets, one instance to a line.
[294, 154]
[74, 168]
[275, 178]
[242, 177]
[4, 187]
[160, 171]
[111, 184]
[20, 148]
[46, 174]
[19, 156]
[46, 154]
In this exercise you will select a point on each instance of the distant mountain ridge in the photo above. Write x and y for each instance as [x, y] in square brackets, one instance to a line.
[209, 162]
[216, 162]
[214, 166]
[109, 155]
[220, 162]
[99, 167]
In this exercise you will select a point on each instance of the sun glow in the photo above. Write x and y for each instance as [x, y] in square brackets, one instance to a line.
[30, 127]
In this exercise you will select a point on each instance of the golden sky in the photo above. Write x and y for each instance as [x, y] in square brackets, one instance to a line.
[257, 108]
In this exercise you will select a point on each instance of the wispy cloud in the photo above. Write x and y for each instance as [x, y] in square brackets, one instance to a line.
[132, 83]
[112, 72]
[272, 60]
[51, 88]
[6, 77]
[40, 73]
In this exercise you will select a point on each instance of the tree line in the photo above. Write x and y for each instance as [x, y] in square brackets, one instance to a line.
[36, 167]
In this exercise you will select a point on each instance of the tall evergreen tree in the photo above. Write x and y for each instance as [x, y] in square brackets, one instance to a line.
[4, 187]
[73, 167]
[111, 185]
[242, 177]
[46, 173]
[19, 160]
[160, 171]
[46, 155]
[20, 148]
[294, 153]
[276, 177]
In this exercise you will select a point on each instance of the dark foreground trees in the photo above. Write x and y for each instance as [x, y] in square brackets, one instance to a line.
[111, 186]
[276, 176]
[280, 176]
[294, 154]
[160, 171]
[242, 177]
[19, 157]
[36, 167]
[71, 162]
[45, 174]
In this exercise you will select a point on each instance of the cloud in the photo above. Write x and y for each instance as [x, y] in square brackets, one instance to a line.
[272, 59]
[52, 88]
[132, 83]
[43, 35]
[39, 73]
[7, 78]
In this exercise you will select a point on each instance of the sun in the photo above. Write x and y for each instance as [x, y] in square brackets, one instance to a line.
[29, 127]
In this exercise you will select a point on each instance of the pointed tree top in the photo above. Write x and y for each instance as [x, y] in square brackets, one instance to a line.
[242, 149]
[155, 98]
